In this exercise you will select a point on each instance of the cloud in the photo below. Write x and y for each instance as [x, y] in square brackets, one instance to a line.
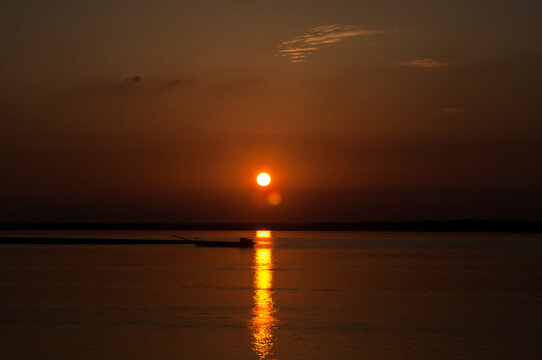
[454, 110]
[133, 79]
[425, 63]
[181, 82]
[451, 110]
[298, 48]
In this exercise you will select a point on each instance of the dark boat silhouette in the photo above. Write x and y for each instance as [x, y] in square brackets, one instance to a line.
[242, 243]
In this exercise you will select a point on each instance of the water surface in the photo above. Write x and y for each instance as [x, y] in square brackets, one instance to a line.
[297, 295]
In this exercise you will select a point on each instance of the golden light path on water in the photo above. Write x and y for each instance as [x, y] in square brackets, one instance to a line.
[263, 234]
[263, 321]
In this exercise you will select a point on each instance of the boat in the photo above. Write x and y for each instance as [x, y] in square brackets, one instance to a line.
[242, 243]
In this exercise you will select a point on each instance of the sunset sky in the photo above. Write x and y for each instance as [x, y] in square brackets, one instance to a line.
[166, 111]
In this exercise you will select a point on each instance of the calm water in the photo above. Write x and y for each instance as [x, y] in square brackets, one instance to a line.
[297, 295]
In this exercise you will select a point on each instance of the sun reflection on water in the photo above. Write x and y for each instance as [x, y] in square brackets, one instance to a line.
[263, 233]
[263, 237]
[263, 321]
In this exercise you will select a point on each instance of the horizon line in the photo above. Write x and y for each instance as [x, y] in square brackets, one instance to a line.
[453, 225]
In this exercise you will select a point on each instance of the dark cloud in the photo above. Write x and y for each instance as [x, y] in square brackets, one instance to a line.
[133, 79]
[181, 82]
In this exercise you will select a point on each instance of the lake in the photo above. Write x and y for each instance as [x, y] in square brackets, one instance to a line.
[296, 295]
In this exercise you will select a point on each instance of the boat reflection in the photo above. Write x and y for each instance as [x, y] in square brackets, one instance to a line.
[263, 321]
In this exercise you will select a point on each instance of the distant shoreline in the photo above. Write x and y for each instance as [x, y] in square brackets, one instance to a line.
[15, 240]
[418, 226]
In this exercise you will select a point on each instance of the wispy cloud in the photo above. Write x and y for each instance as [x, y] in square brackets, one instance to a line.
[298, 48]
[425, 63]
[454, 110]
[451, 110]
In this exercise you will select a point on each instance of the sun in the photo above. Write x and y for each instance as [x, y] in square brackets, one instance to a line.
[263, 179]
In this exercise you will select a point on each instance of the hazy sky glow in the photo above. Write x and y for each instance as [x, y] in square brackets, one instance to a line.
[167, 110]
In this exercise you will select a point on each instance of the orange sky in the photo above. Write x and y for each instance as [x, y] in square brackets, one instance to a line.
[131, 111]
